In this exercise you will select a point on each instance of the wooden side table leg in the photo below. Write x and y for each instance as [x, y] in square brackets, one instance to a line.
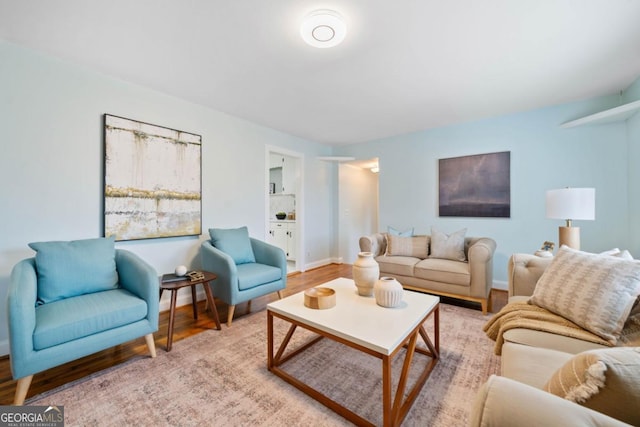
[172, 316]
[194, 302]
[209, 294]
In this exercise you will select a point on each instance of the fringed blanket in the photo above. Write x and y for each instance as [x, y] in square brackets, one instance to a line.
[522, 315]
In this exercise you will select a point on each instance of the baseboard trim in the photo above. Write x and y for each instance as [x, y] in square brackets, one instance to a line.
[184, 298]
[500, 284]
[4, 347]
[321, 263]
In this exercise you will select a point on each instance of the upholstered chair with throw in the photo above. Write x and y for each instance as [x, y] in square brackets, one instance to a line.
[77, 298]
[246, 268]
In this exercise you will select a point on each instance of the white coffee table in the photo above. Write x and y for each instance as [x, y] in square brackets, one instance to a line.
[360, 323]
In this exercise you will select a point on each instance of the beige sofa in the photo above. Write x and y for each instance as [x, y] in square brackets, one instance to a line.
[469, 280]
[529, 359]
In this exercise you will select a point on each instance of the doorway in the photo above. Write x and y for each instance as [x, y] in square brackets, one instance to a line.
[357, 205]
[284, 204]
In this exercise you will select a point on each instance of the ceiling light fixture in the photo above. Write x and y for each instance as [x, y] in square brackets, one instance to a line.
[323, 28]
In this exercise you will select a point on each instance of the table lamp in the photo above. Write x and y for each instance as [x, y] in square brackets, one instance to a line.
[571, 204]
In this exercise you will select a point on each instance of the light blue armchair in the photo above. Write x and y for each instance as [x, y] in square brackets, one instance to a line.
[246, 268]
[74, 299]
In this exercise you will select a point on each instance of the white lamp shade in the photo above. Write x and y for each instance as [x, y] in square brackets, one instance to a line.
[571, 203]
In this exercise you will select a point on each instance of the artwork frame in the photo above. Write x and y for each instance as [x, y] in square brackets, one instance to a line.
[475, 186]
[152, 180]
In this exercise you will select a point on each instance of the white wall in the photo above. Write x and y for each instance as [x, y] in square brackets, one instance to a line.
[51, 166]
[357, 209]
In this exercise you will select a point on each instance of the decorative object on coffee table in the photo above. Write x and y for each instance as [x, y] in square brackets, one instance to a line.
[388, 292]
[181, 270]
[365, 273]
[320, 298]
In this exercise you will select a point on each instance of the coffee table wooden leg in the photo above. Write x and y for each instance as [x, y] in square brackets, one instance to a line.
[394, 415]
[436, 327]
[402, 382]
[211, 303]
[172, 316]
[434, 349]
[269, 340]
[387, 416]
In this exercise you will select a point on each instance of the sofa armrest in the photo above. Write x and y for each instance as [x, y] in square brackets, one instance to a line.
[505, 402]
[141, 279]
[374, 243]
[21, 311]
[480, 255]
[524, 271]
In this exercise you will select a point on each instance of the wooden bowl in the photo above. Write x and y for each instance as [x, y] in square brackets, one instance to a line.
[320, 298]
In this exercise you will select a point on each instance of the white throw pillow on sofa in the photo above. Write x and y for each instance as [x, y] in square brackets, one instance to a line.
[605, 380]
[593, 291]
[448, 246]
[416, 246]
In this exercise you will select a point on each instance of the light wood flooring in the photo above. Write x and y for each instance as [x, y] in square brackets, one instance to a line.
[185, 326]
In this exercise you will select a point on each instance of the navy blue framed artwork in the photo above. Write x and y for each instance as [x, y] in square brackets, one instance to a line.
[475, 186]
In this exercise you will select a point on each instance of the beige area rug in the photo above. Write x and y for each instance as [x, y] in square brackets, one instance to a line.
[219, 378]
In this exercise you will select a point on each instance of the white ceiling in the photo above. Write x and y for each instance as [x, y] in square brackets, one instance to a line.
[405, 65]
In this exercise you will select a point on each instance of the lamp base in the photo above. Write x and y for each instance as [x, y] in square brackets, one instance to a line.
[570, 236]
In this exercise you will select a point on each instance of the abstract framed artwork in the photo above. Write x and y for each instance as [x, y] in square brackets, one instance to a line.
[152, 181]
[475, 186]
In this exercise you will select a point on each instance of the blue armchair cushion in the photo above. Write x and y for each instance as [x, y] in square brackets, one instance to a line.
[253, 274]
[235, 242]
[77, 267]
[72, 318]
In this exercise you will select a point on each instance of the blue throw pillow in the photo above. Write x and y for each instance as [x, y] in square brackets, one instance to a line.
[235, 242]
[405, 233]
[77, 267]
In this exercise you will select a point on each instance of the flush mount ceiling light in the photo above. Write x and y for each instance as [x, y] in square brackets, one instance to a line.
[323, 28]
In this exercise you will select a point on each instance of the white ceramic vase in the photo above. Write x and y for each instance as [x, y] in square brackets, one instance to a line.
[365, 273]
[388, 292]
